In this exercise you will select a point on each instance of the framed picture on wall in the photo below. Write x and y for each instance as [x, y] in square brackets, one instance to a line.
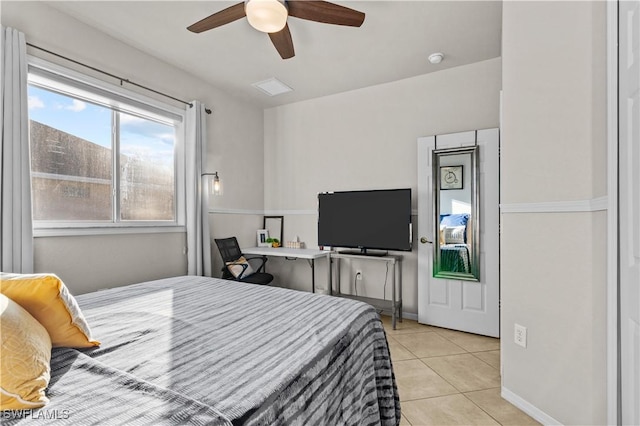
[263, 236]
[451, 177]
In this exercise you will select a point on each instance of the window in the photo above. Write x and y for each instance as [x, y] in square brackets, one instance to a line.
[101, 157]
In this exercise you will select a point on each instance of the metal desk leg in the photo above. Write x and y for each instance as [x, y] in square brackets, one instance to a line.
[329, 280]
[337, 275]
[399, 266]
[313, 276]
[393, 297]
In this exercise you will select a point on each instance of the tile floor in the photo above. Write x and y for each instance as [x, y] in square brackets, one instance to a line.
[447, 377]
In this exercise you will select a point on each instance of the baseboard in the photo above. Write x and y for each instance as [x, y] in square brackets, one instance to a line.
[409, 315]
[528, 408]
[405, 315]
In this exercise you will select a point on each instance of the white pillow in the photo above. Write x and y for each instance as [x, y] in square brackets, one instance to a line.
[236, 268]
[454, 234]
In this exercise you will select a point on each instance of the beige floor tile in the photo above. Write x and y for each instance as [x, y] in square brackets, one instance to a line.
[470, 342]
[490, 357]
[404, 421]
[501, 410]
[406, 326]
[465, 372]
[398, 352]
[445, 410]
[428, 344]
[415, 380]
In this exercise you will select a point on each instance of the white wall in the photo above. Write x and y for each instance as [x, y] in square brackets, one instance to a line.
[553, 264]
[235, 149]
[366, 139]
[457, 200]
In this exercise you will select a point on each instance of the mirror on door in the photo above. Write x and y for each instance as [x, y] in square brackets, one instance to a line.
[456, 251]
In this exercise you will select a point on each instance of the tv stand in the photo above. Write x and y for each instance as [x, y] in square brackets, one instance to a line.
[395, 304]
[365, 252]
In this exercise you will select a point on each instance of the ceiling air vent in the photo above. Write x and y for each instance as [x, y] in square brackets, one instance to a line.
[272, 87]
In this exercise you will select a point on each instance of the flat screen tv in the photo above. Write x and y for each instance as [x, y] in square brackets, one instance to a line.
[373, 219]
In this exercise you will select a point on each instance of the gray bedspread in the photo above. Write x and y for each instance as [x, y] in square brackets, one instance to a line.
[195, 350]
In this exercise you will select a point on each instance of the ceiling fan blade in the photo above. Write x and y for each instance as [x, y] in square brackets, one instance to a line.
[283, 42]
[325, 12]
[225, 16]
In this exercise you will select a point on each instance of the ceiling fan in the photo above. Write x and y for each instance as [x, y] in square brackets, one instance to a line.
[270, 16]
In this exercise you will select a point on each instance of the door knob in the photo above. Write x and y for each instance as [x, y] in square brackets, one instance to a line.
[423, 240]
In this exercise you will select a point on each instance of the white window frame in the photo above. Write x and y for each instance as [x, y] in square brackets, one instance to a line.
[126, 101]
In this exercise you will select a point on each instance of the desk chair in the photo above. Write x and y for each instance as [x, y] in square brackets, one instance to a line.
[231, 255]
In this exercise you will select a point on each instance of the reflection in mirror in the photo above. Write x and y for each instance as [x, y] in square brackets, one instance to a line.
[274, 224]
[455, 190]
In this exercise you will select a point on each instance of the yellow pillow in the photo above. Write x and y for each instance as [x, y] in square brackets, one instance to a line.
[48, 300]
[25, 358]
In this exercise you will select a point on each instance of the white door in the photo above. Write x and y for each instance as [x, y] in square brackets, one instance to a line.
[629, 208]
[461, 305]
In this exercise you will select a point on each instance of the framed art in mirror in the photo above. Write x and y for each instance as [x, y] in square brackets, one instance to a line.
[451, 177]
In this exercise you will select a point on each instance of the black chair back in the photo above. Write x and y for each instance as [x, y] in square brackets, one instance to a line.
[229, 249]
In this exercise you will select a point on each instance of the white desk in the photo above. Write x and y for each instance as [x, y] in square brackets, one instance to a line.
[310, 254]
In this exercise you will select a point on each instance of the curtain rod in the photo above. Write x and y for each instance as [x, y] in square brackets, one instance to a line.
[122, 80]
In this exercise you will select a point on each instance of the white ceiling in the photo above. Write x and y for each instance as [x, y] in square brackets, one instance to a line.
[392, 44]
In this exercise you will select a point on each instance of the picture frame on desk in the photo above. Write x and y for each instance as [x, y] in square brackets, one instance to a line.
[262, 237]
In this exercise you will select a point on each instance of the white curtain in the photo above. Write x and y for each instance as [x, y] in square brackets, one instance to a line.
[16, 254]
[198, 237]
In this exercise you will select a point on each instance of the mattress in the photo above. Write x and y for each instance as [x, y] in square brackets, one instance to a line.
[197, 350]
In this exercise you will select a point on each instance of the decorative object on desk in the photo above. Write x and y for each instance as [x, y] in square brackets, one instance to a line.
[215, 184]
[263, 236]
[451, 177]
[294, 244]
[275, 225]
[275, 243]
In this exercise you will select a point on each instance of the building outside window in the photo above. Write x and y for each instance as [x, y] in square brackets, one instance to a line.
[101, 159]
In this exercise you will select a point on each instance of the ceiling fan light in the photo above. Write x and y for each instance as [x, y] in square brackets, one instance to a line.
[268, 16]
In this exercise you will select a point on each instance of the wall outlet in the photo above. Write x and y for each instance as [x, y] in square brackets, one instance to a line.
[520, 335]
[358, 275]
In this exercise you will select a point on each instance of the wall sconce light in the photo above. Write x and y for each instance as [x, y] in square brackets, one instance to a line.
[215, 185]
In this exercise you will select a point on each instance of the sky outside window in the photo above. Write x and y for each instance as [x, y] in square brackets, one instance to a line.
[139, 137]
[73, 116]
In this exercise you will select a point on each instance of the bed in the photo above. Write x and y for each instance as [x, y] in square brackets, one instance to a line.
[207, 351]
[455, 242]
[455, 258]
